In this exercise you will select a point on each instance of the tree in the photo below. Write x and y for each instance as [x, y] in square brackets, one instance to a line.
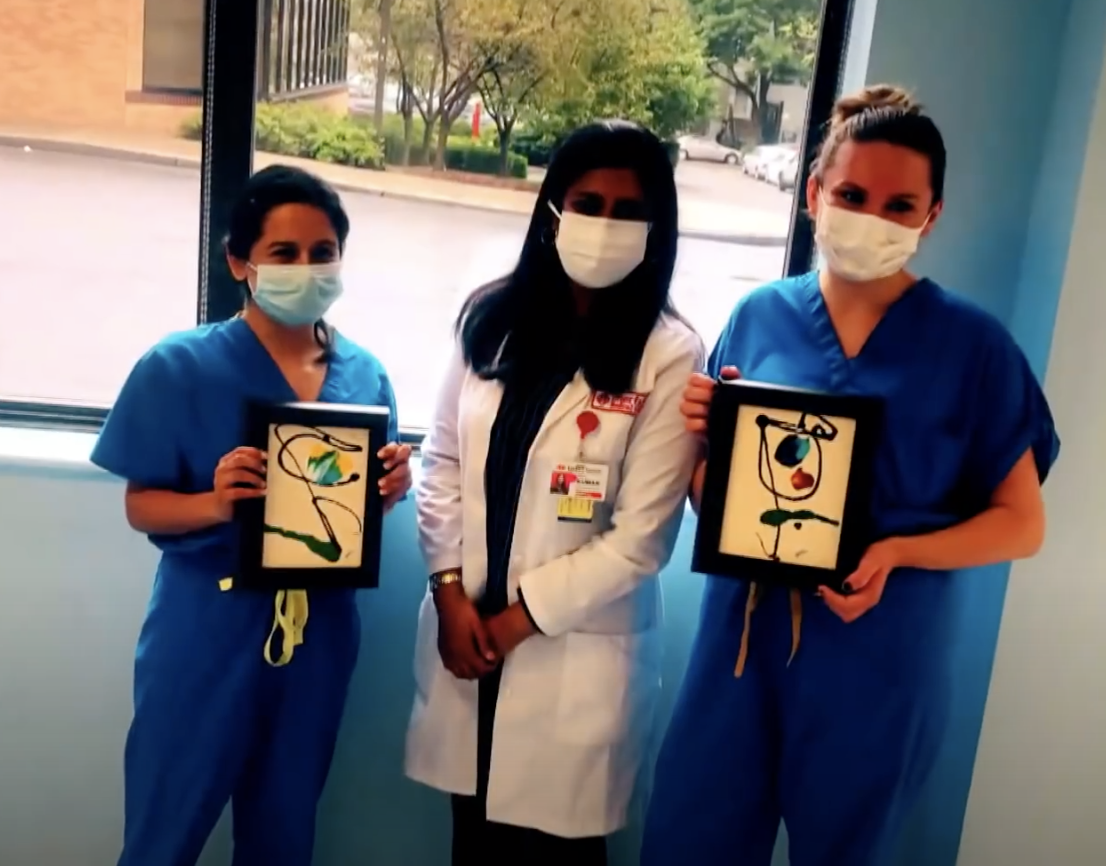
[543, 39]
[752, 43]
[466, 35]
[643, 60]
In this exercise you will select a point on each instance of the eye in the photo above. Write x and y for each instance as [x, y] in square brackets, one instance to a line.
[900, 206]
[324, 253]
[588, 204]
[633, 210]
[852, 196]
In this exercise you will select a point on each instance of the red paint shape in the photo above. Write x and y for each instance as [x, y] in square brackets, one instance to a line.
[801, 480]
[588, 422]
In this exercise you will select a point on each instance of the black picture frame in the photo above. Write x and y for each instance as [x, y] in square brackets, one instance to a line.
[722, 548]
[266, 562]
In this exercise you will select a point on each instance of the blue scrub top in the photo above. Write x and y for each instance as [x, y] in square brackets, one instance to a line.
[183, 408]
[961, 407]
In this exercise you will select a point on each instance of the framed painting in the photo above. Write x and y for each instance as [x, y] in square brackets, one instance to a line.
[319, 523]
[787, 490]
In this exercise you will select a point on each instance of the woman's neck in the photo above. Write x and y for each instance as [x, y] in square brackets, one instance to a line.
[280, 340]
[874, 297]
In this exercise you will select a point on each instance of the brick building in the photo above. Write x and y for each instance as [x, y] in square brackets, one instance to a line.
[138, 64]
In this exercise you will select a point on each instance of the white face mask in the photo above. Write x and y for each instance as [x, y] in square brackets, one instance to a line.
[861, 247]
[597, 252]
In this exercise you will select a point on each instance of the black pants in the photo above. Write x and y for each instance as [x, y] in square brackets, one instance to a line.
[480, 842]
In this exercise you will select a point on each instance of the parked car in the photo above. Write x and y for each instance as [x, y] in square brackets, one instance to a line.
[787, 172]
[770, 164]
[753, 159]
[707, 149]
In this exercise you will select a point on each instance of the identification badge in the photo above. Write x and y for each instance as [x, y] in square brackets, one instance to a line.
[581, 480]
[630, 403]
[575, 509]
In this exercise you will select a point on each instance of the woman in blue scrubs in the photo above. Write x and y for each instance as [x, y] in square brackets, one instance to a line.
[225, 710]
[839, 739]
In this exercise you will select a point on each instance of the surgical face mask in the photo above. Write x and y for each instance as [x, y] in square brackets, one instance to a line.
[597, 252]
[296, 295]
[861, 247]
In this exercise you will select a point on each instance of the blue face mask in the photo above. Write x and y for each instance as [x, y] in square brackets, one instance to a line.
[296, 295]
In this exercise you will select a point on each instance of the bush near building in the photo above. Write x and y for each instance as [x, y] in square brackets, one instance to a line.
[310, 132]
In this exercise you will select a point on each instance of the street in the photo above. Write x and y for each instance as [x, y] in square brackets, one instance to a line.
[99, 260]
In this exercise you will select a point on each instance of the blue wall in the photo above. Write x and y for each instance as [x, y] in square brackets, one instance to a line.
[1011, 83]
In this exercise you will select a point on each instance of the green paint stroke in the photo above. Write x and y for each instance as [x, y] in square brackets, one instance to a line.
[324, 468]
[319, 546]
[779, 516]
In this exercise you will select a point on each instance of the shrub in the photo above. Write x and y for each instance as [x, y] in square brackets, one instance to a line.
[464, 154]
[193, 127]
[315, 133]
[537, 150]
[310, 132]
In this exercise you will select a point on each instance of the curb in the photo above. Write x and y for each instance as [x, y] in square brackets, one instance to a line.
[148, 158]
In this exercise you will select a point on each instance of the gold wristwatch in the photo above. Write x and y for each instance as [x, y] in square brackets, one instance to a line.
[444, 578]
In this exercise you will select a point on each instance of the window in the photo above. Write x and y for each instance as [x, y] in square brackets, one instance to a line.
[113, 236]
[173, 45]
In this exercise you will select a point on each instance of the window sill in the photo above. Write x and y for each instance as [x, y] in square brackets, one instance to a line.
[30, 448]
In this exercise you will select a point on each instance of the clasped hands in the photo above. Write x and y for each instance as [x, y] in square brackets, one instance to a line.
[469, 645]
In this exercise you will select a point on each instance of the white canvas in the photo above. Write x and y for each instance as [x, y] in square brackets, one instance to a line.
[813, 489]
[316, 476]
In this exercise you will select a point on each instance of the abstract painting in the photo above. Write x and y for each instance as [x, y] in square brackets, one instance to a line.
[788, 484]
[789, 478]
[319, 522]
[315, 505]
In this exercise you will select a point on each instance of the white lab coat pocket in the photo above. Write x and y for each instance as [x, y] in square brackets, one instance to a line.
[606, 684]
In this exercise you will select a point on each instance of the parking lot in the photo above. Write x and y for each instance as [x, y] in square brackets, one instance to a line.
[100, 261]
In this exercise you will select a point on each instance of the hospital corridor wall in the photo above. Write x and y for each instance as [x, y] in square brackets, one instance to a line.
[1016, 85]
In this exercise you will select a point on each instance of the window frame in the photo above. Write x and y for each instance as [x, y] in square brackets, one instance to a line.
[232, 36]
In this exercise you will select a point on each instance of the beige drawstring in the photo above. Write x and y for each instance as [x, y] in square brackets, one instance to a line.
[755, 593]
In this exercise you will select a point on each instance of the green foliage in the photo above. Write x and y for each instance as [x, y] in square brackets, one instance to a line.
[315, 133]
[751, 43]
[643, 60]
[193, 127]
[463, 154]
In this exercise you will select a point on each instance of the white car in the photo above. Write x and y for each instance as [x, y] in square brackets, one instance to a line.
[772, 162]
[757, 159]
[707, 149]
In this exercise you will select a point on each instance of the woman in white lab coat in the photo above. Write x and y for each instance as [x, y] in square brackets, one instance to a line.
[554, 477]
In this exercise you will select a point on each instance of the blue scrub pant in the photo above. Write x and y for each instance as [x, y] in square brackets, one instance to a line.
[213, 722]
[838, 744]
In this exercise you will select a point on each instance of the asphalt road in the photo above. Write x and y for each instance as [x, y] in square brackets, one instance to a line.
[98, 260]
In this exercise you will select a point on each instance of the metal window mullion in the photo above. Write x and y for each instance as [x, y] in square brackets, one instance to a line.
[299, 39]
[825, 84]
[343, 28]
[230, 63]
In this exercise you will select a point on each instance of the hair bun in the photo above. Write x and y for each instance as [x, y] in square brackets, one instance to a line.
[873, 98]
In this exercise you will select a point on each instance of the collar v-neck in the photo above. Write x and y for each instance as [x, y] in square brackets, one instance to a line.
[270, 378]
[839, 365]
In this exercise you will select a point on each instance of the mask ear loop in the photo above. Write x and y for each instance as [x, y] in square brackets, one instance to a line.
[549, 234]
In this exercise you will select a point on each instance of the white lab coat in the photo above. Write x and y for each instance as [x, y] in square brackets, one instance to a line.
[576, 703]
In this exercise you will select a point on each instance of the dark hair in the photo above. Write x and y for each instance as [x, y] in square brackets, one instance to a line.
[526, 320]
[886, 113]
[267, 190]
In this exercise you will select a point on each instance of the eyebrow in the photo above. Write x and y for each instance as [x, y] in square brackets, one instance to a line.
[845, 184]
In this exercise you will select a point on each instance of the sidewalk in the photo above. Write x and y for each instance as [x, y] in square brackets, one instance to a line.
[699, 218]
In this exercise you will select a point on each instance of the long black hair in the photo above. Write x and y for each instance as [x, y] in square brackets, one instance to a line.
[526, 321]
[267, 190]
